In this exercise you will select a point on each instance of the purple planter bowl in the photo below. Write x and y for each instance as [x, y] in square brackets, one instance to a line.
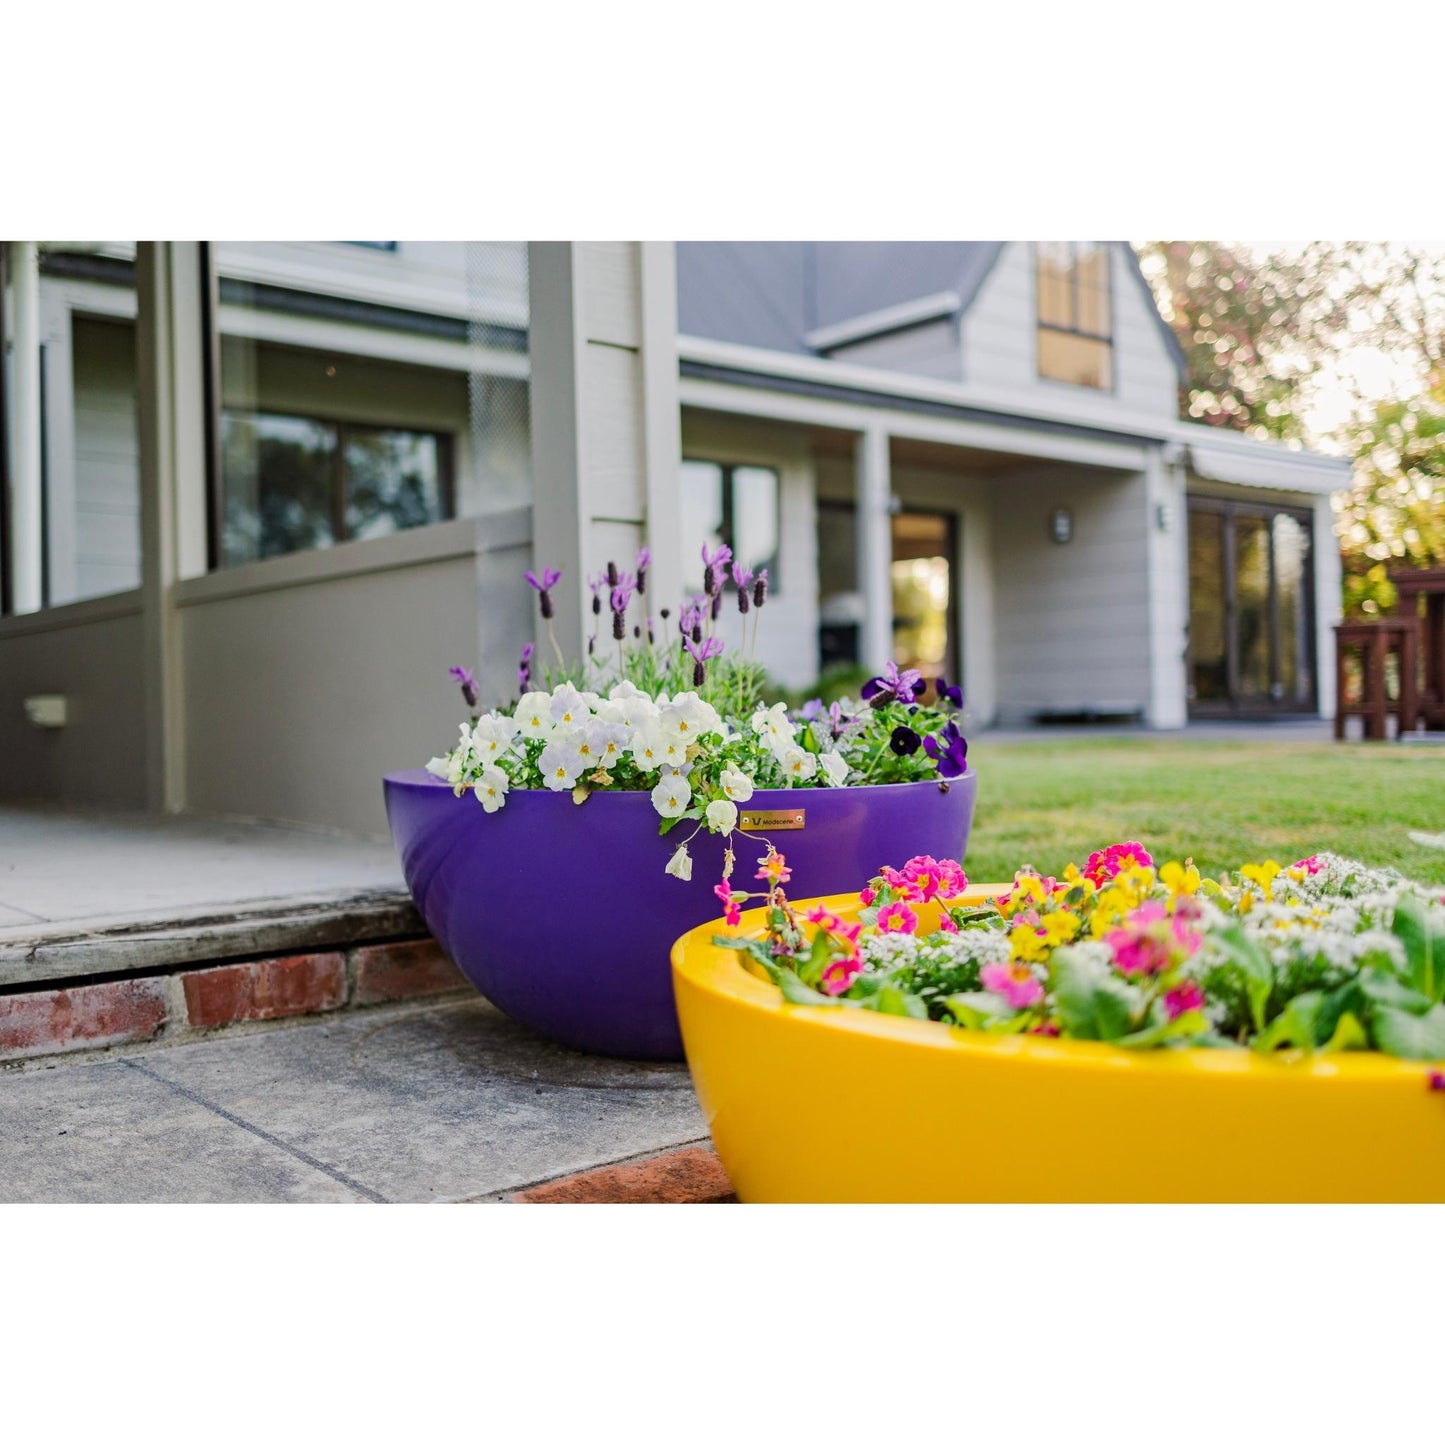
[564, 918]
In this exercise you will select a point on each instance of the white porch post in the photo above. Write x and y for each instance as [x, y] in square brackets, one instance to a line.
[1166, 559]
[606, 431]
[170, 404]
[26, 539]
[1329, 602]
[874, 493]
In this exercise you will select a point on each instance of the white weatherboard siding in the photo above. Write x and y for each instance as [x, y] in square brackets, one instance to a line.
[1073, 619]
[1000, 345]
[788, 629]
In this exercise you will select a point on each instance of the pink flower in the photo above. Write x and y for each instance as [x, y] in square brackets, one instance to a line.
[1013, 982]
[733, 913]
[897, 918]
[1150, 941]
[1184, 999]
[924, 875]
[1311, 864]
[1114, 859]
[902, 885]
[838, 976]
[773, 868]
[1047, 1027]
[954, 879]
[866, 897]
[946, 923]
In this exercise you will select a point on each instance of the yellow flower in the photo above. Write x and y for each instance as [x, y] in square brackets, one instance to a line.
[1180, 878]
[1059, 927]
[1262, 874]
[1027, 945]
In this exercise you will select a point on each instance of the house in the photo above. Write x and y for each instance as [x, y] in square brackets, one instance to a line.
[259, 496]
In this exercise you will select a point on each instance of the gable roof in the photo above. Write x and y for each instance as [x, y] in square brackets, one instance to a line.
[806, 297]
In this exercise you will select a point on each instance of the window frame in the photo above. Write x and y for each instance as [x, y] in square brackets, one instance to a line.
[1075, 311]
[727, 468]
[446, 475]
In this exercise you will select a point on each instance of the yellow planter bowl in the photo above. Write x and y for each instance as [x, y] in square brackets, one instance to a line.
[825, 1105]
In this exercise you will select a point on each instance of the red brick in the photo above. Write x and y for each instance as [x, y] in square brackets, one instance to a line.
[684, 1176]
[391, 971]
[273, 988]
[124, 1011]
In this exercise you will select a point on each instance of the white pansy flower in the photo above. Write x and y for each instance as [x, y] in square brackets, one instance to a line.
[645, 749]
[722, 816]
[440, 767]
[736, 784]
[774, 727]
[491, 788]
[680, 864]
[570, 708]
[672, 795]
[835, 768]
[625, 691]
[534, 716]
[671, 750]
[608, 741]
[798, 765]
[561, 765]
[492, 737]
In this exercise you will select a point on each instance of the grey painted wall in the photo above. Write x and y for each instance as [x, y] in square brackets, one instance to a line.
[90, 652]
[1072, 620]
[303, 690]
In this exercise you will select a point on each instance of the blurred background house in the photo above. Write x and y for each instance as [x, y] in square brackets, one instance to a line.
[259, 496]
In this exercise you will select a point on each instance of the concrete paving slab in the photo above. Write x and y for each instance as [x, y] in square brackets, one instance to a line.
[111, 1133]
[443, 1103]
[63, 866]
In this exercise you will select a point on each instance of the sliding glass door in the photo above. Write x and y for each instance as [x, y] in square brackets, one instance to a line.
[1251, 609]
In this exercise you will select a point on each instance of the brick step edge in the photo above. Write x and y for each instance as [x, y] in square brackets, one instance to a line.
[196, 1002]
[693, 1175]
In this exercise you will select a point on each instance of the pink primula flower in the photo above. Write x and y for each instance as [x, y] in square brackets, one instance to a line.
[1311, 865]
[1184, 999]
[925, 876]
[838, 976]
[902, 885]
[1013, 982]
[866, 897]
[1111, 861]
[733, 912]
[1150, 941]
[946, 923]
[897, 918]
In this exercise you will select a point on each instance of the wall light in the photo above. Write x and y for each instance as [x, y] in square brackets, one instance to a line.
[1061, 525]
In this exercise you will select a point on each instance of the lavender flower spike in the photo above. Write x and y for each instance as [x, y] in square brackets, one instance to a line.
[467, 682]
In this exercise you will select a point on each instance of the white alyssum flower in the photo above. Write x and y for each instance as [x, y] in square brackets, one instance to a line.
[797, 764]
[680, 864]
[835, 768]
[736, 784]
[491, 788]
[722, 816]
[561, 765]
[672, 795]
[534, 716]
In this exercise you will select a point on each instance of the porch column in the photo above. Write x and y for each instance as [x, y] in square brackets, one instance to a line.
[170, 395]
[1329, 602]
[874, 499]
[606, 429]
[26, 535]
[1166, 561]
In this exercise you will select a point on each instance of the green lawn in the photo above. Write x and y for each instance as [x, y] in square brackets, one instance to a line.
[1046, 802]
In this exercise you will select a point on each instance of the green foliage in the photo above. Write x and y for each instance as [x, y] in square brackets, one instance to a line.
[1091, 1002]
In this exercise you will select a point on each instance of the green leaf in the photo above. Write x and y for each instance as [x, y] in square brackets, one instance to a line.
[890, 999]
[1349, 1034]
[810, 967]
[668, 824]
[1091, 1003]
[1186, 1026]
[977, 1010]
[1295, 1026]
[1412, 928]
[1254, 967]
[1385, 988]
[1411, 1036]
[794, 990]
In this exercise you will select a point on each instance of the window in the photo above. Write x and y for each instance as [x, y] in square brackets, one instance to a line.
[362, 388]
[733, 504]
[293, 483]
[1075, 329]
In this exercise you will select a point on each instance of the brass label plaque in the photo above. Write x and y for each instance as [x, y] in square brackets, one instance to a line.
[787, 820]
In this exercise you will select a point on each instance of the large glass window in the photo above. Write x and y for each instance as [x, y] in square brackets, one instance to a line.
[733, 504]
[365, 388]
[71, 448]
[1075, 313]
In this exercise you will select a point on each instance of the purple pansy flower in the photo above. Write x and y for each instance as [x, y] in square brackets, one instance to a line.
[953, 696]
[949, 751]
[893, 685]
[904, 741]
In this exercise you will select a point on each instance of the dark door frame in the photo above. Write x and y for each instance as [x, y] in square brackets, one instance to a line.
[1228, 510]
